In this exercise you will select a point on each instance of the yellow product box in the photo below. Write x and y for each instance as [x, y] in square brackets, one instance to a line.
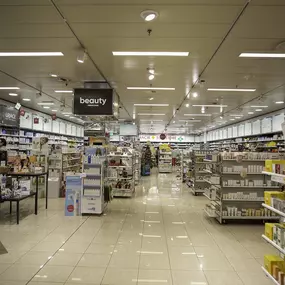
[269, 230]
[271, 260]
[268, 195]
[269, 164]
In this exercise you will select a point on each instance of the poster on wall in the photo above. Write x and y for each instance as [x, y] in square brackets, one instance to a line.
[266, 125]
[93, 102]
[68, 129]
[9, 116]
[47, 124]
[55, 126]
[221, 134]
[230, 132]
[37, 122]
[256, 127]
[235, 133]
[26, 121]
[241, 130]
[277, 122]
[62, 128]
[225, 134]
[247, 129]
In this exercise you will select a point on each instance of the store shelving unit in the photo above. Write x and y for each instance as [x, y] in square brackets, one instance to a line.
[242, 187]
[165, 161]
[92, 196]
[121, 172]
[137, 166]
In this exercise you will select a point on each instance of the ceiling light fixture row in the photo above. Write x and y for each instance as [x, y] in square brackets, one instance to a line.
[151, 74]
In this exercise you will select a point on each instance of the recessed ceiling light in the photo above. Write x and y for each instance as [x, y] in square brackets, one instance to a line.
[218, 106]
[151, 88]
[26, 99]
[232, 119]
[151, 77]
[149, 53]
[231, 89]
[151, 98]
[45, 103]
[258, 110]
[250, 113]
[63, 91]
[9, 88]
[259, 106]
[262, 55]
[150, 114]
[191, 121]
[81, 57]
[72, 117]
[195, 94]
[279, 102]
[152, 105]
[13, 94]
[46, 107]
[151, 70]
[54, 110]
[53, 75]
[149, 15]
[66, 115]
[202, 115]
[31, 54]
[237, 115]
[187, 105]
[151, 120]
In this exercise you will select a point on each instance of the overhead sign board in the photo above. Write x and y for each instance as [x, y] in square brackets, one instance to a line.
[9, 116]
[93, 102]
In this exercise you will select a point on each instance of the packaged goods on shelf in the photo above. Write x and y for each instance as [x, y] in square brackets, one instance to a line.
[246, 212]
[270, 195]
[242, 196]
[275, 166]
[269, 229]
[273, 264]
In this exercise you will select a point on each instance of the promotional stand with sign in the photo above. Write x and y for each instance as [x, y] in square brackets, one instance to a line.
[73, 195]
[92, 195]
[165, 159]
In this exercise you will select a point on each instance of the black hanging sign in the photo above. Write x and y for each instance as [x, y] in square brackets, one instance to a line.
[93, 102]
[9, 116]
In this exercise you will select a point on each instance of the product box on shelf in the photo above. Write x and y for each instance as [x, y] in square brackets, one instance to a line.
[269, 229]
[275, 166]
[269, 195]
[271, 262]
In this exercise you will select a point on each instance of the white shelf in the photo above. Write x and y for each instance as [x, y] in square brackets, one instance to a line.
[210, 215]
[207, 196]
[72, 166]
[249, 218]
[273, 244]
[234, 159]
[274, 210]
[65, 160]
[269, 276]
[258, 187]
[238, 173]
[242, 200]
[280, 178]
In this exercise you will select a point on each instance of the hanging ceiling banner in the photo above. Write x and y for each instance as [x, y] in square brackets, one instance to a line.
[93, 102]
[9, 116]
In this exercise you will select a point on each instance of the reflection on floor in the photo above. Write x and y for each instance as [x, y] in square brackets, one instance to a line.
[159, 236]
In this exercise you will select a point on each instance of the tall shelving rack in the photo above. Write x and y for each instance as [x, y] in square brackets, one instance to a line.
[199, 166]
[121, 173]
[165, 161]
[242, 185]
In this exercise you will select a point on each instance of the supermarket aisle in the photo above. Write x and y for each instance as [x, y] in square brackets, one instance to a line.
[160, 236]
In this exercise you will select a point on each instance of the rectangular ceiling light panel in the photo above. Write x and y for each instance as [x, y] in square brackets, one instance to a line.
[31, 54]
[262, 55]
[152, 88]
[9, 88]
[215, 106]
[151, 105]
[232, 89]
[63, 91]
[150, 114]
[149, 53]
[198, 115]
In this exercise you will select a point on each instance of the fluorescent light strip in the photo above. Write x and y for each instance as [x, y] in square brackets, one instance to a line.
[31, 54]
[190, 121]
[152, 105]
[215, 106]
[232, 89]
[259, 106]
[150, 114]
[200, 115]
[151, 88]
[46, 104]
[236, 115]
[150, 252]
[9, 88]
[151, 120]
[149, 53]
[13, 94]
[63, 91]
[262, 55]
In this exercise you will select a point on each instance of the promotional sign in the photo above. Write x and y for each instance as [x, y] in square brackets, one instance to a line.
[53, 116]
[162, 136]
[93, 102]
[36, 121]
[9, 116]
[73, 195]
[22, 112]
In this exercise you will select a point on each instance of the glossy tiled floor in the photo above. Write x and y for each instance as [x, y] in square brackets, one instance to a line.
[161, 236]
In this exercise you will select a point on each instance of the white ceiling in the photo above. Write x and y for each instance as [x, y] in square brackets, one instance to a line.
[205, 28]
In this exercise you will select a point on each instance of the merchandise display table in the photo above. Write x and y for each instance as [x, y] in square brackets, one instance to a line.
[23, 197]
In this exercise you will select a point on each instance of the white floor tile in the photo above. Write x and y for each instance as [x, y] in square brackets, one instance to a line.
[223, 278]
[65, 258]
[82, 275]
[182, 277]
[147, 277]
[120, 277]
[19, 272]
[94, 260]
